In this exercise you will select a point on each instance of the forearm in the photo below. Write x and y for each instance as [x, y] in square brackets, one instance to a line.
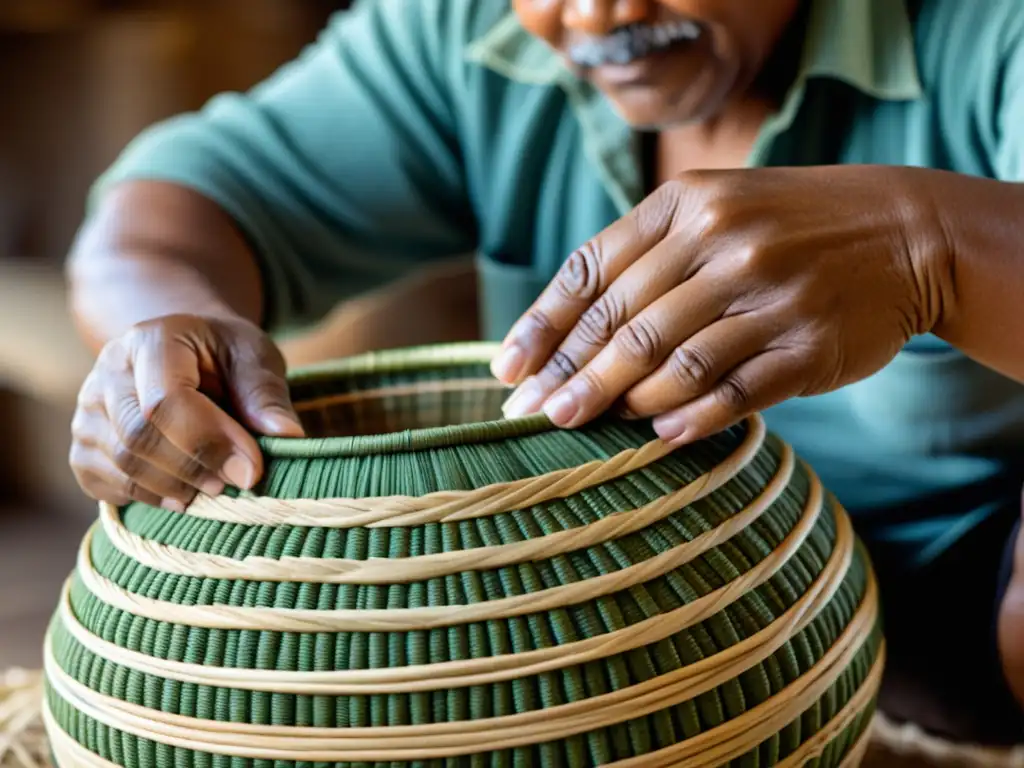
[979, 298]
[153, 249]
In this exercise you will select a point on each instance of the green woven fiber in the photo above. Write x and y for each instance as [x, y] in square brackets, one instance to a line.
[413, 444]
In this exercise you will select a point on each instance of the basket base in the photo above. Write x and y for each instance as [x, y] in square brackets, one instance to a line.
[23, 742]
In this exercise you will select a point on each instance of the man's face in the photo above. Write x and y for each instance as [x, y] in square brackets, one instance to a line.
[662, 62]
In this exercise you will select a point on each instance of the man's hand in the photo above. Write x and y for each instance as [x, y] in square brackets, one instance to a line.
[724, 293]
[150, 425]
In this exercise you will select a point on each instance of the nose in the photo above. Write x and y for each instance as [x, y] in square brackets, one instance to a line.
[599, 17]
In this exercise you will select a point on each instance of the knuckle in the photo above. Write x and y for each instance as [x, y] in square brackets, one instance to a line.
[592, 384]
[696, 178]
[128, 462]
[537, 323]
[715, 216]
[138, 435]
[750, 259]
[89, 392]
[159, 405]
[77, 457]
[81, 424]
[692, 368]
[85, 440]
[265, 389]
[579, 279]
[129, 490]
[733, 393]
[97, 485]
[208, 451]
[561, 366]
[598, 324]
[694, 186]
[641, 342]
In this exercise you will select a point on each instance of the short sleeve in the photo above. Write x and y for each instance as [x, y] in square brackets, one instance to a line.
[1009, 160]
[343, 169]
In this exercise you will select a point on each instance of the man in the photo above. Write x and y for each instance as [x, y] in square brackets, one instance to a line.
[806, 208]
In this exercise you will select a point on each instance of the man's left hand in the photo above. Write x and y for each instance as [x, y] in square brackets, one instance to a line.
[726, 292]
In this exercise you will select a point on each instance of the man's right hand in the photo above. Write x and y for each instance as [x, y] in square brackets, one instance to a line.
[152, 421]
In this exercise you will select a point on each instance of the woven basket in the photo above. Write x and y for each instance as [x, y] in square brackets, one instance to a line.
[443, 588]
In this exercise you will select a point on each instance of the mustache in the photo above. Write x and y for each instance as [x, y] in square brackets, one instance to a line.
[631, 42]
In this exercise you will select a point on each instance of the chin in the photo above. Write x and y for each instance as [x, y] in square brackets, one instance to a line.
[650, 109]
[655, 114]
[657, 100]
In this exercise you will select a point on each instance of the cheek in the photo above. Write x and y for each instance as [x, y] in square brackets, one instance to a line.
[541, 18]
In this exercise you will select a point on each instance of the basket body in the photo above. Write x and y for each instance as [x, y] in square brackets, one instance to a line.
[493, 593]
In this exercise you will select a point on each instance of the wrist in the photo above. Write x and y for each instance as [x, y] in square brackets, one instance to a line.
[110, 295]
[927, 246]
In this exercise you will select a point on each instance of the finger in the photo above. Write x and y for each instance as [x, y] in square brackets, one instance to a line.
[625, 318]
[138, 439]
[152, 475]
[169, 408]
[583, 277]
[637, 350]
[185, 476]
[102, 481]
[700, 362]
[259, 392]
[757, 384]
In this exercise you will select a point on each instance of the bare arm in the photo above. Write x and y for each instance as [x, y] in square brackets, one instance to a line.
[977, 301]
[153, 249]
[335, 176]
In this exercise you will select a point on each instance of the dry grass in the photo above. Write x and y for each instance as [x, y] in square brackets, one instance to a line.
[22, 740]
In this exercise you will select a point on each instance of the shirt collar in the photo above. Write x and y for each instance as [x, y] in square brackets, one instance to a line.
[868, 44]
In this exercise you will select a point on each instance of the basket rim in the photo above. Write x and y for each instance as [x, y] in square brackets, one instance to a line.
[419, 358]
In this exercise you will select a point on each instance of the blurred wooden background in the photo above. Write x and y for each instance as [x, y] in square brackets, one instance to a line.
[82, 77]
[78, 79]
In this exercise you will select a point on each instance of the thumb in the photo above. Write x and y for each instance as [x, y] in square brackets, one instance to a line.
[262, 401]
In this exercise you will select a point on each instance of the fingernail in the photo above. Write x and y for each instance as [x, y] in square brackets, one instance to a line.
[172, 504]
[239, 471]
[524, 401]
[282, 423]
[562, 408]
[211, 486]
[508, 364]
[669, 427]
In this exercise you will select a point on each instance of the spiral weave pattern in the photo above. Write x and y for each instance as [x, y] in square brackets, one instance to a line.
[438, 588]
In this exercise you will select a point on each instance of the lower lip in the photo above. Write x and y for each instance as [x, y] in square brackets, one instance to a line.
[641, 71]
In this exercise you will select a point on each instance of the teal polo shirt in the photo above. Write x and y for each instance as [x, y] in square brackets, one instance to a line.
[412, 131]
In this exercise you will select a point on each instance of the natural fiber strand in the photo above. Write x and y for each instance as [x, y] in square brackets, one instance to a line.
[23, 742]
[441, 506]
[168, 559]
[418, 582]
[448, 385]
[21, 692]
[404, 619]
[856, 754]
[496, 669]
[522, 728]
[493, 669]
[734, 737]
[908, 741]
